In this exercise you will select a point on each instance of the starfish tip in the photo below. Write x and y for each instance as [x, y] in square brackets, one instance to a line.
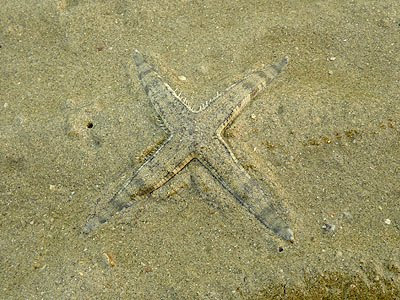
[286, 234]
[138, 57]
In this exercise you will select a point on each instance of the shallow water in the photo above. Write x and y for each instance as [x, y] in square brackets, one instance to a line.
[74, 122]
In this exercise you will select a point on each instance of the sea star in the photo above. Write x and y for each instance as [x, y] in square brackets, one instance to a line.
[197, 134]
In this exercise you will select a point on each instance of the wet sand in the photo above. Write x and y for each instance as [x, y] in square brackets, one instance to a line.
[74, 121]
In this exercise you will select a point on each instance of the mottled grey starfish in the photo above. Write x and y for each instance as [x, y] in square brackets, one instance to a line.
[197, 134]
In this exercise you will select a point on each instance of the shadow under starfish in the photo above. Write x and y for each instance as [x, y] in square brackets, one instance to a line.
[197, 134]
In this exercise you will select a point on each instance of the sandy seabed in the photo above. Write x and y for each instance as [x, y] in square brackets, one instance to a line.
[74, 121]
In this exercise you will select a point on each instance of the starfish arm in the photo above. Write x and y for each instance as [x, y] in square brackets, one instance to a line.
[167, 104]
[168, 160]
[233, 177]
[227, 107]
